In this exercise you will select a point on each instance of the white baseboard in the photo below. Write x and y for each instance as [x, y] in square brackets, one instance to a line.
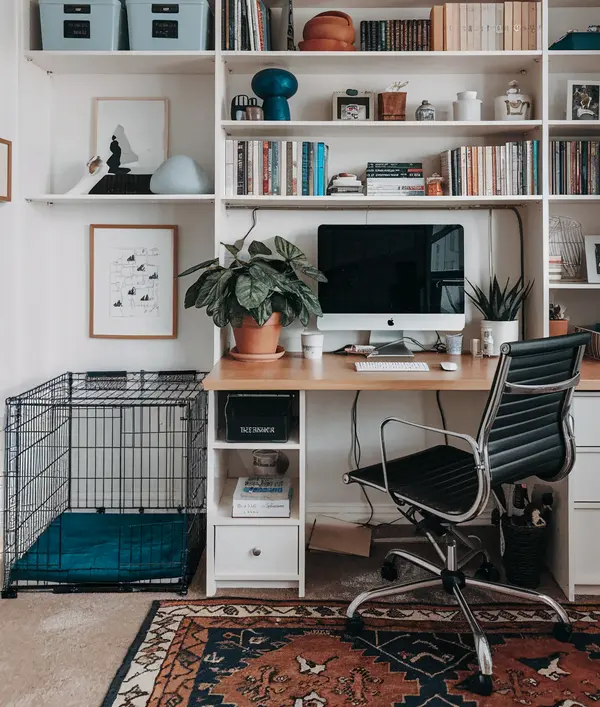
[384, 513]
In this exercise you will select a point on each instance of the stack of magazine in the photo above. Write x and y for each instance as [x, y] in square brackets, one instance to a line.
[262, 497]
[395, 179]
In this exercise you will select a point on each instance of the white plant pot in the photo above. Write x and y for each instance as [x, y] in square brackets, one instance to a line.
[467, 107]
[502, 333]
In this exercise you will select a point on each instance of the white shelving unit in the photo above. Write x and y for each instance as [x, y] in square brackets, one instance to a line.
[74, 199]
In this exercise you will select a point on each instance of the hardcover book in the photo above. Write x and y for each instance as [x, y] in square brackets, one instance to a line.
[262, 497]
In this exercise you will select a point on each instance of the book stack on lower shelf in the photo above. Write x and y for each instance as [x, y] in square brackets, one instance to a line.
[275, 168]
[574, 168]
[492, 170]
[395, 179]
[395, 35]
[262, 497]
[246, 25]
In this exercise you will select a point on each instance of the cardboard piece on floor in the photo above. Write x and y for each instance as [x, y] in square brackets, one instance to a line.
[341, 536]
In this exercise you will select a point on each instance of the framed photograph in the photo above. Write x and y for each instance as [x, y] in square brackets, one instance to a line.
[133, 286]
[353, 105]
[592, 257]
[131, 134]
[5, 170]
[583, 100]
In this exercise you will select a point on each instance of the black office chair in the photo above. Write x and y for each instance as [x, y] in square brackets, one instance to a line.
[526, 430]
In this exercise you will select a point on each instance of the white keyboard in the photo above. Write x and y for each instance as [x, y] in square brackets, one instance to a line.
[390, 366]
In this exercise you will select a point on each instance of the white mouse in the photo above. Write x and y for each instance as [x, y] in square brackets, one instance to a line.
[449, 366]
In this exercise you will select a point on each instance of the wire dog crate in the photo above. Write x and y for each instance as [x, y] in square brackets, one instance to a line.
[105, 483]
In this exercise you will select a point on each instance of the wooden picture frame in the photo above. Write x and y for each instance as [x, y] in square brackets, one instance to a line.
[5, 170]
[354, 105]
[140, 145]
[592, 258]
[124, 259]
[583, 100]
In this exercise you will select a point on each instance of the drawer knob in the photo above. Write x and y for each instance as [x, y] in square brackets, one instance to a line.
[256, 551]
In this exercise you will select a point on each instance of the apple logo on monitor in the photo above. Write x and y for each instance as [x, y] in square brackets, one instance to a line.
[390, 322]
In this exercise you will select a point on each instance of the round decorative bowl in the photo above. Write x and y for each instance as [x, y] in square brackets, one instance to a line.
[335, 13]
[329, 30]
[325, 45]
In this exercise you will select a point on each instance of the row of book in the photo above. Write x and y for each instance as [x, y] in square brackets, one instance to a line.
[485, 26]
[276, 168]
[246, 25]
[395, 35]
[395, 179]
[574, 167]
[492, 170]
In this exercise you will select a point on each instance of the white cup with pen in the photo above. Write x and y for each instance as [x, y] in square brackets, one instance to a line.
[454, 344]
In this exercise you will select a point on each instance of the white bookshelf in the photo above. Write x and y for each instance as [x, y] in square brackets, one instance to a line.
[125, 62]
[136, 199]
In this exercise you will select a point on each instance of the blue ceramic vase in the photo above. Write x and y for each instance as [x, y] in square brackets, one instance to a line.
[275, 86]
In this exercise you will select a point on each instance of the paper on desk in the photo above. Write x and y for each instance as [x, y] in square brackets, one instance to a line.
[340, 536]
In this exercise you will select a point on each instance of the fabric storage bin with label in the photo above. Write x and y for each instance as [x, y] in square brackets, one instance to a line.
[174, 26]
[258, 417]
[93, 25]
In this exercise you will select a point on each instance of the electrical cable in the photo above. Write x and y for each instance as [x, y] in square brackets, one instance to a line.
[438, 399]
[522, 263]
[240, 243]
[356, 452]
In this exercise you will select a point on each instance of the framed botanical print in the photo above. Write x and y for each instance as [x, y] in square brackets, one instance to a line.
[592, 257]
[583, 100]
[353, 105]
[5, 170]
[133, 286]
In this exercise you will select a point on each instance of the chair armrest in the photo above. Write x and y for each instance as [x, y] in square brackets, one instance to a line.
[483, 474]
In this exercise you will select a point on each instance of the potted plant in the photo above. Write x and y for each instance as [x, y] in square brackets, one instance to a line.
[258, 293]
[558, 324]
[500, 307]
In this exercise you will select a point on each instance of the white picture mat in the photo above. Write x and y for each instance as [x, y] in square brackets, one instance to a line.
[4, 170]
[570, 98]
[146, 124]
[152, 319]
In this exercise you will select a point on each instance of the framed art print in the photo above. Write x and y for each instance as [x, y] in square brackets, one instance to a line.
[131, 134]
[583, 100]
[5, 170]
[353, 105]
[133, 289]
[592, 257]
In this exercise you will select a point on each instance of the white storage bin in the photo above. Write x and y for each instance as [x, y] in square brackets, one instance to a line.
[92, 25]
[171, 26]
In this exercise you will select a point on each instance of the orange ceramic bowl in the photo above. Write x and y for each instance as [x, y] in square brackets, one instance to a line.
[325, 45]
[336, 13]
[328, 30]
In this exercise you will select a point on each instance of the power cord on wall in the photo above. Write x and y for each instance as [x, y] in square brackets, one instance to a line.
[522, 263]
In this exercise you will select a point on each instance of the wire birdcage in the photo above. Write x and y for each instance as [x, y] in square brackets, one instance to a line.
[105, 482]
[567, 241]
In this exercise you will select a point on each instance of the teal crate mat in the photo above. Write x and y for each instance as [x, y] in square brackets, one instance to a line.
[577, 41]
[106, 547]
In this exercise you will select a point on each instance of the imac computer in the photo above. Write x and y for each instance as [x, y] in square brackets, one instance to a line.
[388, 279]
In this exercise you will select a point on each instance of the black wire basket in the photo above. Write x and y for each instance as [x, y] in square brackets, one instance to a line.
[524, 552]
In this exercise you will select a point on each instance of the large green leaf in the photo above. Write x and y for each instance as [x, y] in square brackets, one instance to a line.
[213, 287]
[259, 270]
[221, 314]
[310, 271]
[191, 294]
[288, 250]
[309, 299]
[200, 266]
[250, 291]
[259, 248]
[262, 313]
[233, 249]
[285, 305]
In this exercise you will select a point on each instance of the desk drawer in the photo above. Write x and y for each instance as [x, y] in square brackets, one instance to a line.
[585, 545]
[256, 552]
[585, 477]
[586, 412]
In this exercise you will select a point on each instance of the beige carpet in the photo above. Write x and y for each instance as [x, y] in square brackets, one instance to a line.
[63, 650]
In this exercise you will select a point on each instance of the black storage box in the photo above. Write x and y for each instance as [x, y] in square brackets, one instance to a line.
[258, 417]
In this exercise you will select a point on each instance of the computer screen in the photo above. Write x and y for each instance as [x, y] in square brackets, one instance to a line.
[392, 270]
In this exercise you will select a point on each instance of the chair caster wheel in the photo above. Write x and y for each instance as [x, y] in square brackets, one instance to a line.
[562, 632]
[389, 572]
[183, 592]
[487, 572]
[480, 684]
[354, 625]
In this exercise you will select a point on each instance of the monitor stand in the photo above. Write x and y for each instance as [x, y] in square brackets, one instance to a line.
[389, 343]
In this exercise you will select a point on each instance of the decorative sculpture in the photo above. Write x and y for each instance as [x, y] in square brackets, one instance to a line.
[275, 86]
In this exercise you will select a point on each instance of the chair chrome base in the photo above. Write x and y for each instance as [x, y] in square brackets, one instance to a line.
[453, 581]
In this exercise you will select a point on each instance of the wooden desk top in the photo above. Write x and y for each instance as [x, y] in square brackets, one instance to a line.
[292, 372]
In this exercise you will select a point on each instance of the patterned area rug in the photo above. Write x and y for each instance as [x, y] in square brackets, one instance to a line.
[245, 653]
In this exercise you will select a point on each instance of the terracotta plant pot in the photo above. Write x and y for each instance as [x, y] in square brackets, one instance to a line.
[253, 339]
[328, 30]
[335, 13]
[558, 327]
[325, 45]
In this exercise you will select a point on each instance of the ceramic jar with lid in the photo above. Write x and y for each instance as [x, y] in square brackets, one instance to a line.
[467, 107]
[514, 105]
[425, 112]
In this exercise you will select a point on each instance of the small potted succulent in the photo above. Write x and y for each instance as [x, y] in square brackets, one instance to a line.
[258, 293]
[500, 307]
[558, 324]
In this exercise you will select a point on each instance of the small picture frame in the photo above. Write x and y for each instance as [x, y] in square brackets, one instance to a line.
[583, 100]
[592, 257]
[133, 285]
[353, 105]
[5, 170]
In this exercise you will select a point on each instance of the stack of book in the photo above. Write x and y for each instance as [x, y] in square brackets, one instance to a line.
[262, 497]
[395, 36]
[555, 267]
[345, 185]
[486, 26]
[275, 168]
[246, 25]
[574, 167]
[395, 179]
[497, 170]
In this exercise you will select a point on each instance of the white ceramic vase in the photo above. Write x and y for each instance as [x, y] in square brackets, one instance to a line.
[502, 333]
[514, 105]
[467, 107]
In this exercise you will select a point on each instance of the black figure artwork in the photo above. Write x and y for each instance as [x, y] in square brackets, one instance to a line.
[118, 303]
[114, 161]
[145, 298]
[131, 259]
[142, 268]
[154, 276]
[131, 291]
